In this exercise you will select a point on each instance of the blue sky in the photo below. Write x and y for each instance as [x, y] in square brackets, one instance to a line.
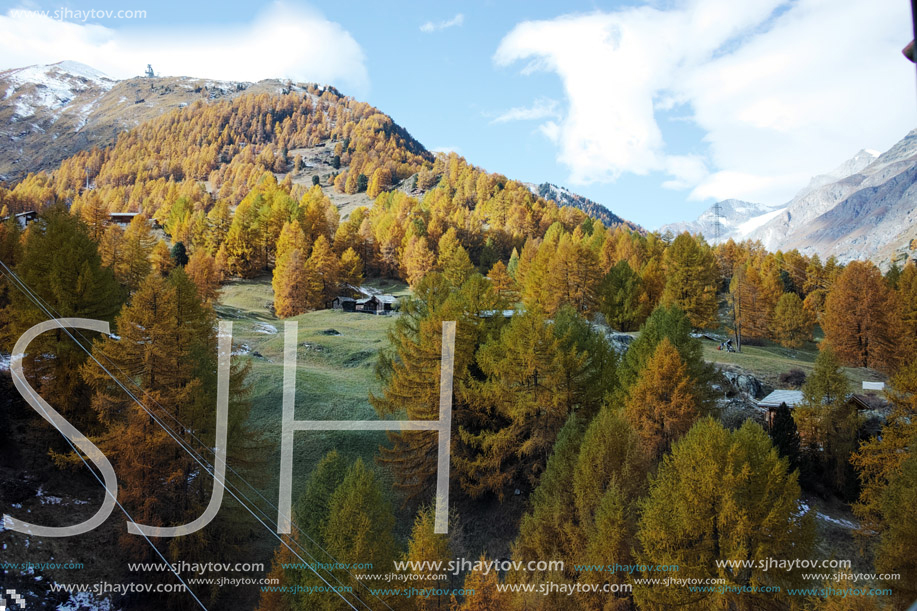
[654, 109]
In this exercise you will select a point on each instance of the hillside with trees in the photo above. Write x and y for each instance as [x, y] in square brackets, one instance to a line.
[574, 447]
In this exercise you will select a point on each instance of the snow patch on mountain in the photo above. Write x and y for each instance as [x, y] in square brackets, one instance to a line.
[51, 86]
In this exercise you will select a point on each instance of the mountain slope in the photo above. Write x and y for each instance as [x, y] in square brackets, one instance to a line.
[737, 219]
[867, 214]
[564, 197]
[84, 128]
[50, 112]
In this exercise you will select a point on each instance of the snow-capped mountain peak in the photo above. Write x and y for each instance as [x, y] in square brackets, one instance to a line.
[50, 86]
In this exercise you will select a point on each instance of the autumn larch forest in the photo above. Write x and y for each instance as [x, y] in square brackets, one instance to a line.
[597, 417]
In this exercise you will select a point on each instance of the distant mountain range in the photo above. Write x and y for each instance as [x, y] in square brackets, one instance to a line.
[864, 208]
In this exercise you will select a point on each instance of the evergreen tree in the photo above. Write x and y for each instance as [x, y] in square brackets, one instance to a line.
[828, 425]
[673, 324]
[360, 523]
[409, 372]
[722, 496]
[532, 382]
[691, 279]
[620, 298]
[792, 324]
[178, 254]
[425, 546]
[661, 405]
[785, 436]
[351, 268]
[503, 283]
[513, 264]
[862, 322]
[202, 270]
[60, 264]
[325, 266]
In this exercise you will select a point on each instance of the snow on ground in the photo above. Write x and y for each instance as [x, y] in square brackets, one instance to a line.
[85, 601]
[263, 327]
[53, 85]
[837, 522]
[241, 349]
[47, 499]
[745, 229]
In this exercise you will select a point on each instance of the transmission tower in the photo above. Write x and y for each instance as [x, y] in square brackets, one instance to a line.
[717, 226]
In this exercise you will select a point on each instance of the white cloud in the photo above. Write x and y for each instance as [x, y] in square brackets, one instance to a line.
[430, 26]
[782, 89]
[542, 108]
[283, 42]
[686, 171]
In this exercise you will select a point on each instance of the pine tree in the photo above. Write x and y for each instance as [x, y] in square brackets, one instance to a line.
[620, 298]
[418, 260]
[409, 372]
[351, 268]
[503, 283]
[486, 596]
[325, 266]
[425, 546]
[661, 405]
[785, 436]
[550, 528]
[691, 279]
[792, 324]
[161, 259]
[60, 264]
[719, 496]
[673, 324]
[138, 245]
[311, 511]
[531, 384]
[202, 269]
[178, 254]
[862, 322]
[360, 522]
[513, 264]
[828, 424]
[896, 552]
